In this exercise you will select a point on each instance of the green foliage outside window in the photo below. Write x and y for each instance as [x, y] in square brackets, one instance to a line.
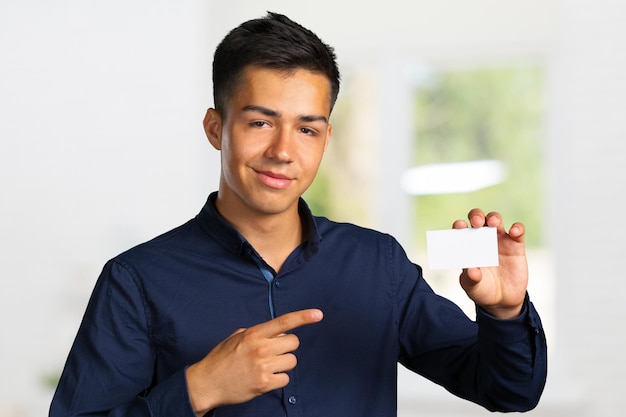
[483, 114]
[461, 115]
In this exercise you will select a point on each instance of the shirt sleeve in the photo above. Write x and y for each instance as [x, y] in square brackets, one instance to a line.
[499, 364]
[514, 354]
[110, 367]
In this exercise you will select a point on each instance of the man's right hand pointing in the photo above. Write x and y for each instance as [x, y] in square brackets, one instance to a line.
[250, 362]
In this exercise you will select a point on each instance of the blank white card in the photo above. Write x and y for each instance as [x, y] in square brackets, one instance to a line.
[462, 248]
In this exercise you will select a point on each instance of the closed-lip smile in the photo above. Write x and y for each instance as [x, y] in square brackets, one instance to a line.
[274, 179]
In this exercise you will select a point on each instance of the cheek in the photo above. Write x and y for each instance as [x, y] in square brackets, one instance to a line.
[229, 162]
[312, 162]
[235, 160]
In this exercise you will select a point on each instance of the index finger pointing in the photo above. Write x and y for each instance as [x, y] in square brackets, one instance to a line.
[289, 321]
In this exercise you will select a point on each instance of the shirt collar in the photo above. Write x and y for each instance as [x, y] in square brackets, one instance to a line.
[230, 239]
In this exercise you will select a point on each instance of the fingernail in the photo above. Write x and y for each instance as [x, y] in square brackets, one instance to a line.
[317, 314]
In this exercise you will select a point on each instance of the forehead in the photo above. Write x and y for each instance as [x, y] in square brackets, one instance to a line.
[283, 90]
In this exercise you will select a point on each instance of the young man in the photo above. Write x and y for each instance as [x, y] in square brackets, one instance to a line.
[258, 308]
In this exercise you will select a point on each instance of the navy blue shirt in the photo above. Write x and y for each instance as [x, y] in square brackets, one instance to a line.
[165, 304]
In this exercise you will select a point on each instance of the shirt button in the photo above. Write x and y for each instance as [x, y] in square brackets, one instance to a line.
[292, 400]
[277, 284]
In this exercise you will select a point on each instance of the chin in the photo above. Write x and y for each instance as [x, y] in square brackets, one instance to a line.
[276, 206]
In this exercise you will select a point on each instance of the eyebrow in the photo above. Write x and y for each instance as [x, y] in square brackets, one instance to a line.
[274, 113]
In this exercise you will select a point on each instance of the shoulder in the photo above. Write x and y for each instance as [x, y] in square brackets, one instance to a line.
[185, 238]
[329, 229]
[365, 249]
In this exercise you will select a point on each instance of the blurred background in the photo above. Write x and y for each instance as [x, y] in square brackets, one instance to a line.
[515, 106]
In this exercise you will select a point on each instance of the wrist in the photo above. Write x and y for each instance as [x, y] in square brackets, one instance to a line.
[197, 389]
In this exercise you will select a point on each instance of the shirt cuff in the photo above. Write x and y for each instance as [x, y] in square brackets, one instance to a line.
[170, 397]
[511, 330]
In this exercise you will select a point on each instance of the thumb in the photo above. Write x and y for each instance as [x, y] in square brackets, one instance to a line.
[469, 278]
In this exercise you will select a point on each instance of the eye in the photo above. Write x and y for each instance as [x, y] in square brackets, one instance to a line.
[308, 131]
[259, 123]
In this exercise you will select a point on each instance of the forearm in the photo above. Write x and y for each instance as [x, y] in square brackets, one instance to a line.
[167, 398]
[499, 364]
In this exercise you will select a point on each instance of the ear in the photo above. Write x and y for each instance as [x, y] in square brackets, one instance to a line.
[213, 128]
[329, 135]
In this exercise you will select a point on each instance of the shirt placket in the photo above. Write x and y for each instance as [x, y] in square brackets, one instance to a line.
[290, 396]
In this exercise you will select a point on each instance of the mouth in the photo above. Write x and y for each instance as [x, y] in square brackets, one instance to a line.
[274, 179]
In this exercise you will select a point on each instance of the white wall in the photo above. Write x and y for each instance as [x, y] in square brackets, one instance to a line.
[587, 191]
[101, 147]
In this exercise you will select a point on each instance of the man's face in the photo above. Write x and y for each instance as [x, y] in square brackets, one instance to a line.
[271, 140]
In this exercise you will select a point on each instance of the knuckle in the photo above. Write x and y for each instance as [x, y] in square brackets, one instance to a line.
[261, 351]
[295, 341]
[281, 380]
[263, 370]
[283, 322]
[292, 360]
[247, 337]
[262, 383]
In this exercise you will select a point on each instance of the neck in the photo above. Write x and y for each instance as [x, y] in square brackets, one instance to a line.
[273, 236]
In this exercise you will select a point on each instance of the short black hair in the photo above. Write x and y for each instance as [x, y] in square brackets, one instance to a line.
[274, 42]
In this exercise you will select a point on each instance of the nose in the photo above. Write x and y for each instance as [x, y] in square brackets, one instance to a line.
[281, 147]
